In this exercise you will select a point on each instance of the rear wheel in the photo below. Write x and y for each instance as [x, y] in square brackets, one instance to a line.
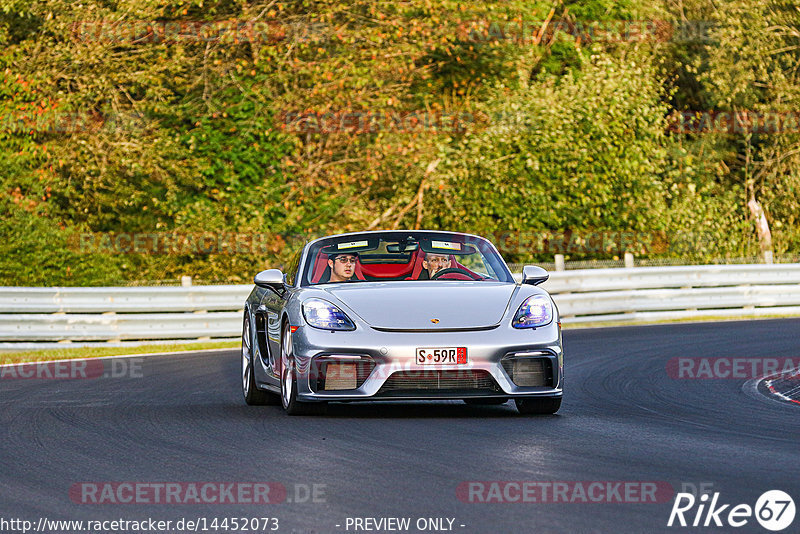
[540, 406]
[252, 395]
[289, 380]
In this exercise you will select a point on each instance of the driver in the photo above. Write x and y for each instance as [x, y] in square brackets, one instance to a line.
[434, 263]
[343, 266]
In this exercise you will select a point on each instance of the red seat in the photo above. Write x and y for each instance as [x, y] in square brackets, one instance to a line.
[415, 272]
[320, 264]
[387, 270]
[359, 272]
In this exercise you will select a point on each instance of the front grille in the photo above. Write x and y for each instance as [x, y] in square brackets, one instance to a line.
[529, 372]
[439, 381]
[345, 374]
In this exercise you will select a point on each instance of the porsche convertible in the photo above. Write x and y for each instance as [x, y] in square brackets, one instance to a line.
[401, 315]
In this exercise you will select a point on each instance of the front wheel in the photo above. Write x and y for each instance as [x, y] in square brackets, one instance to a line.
[289, 379]
[540, 406]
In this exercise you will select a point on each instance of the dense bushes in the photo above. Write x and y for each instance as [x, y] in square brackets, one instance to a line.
[109, 128]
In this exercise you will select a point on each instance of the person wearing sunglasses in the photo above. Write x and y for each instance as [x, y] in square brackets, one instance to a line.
[343, 266]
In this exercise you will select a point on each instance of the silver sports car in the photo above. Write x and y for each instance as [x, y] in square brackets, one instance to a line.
[401, 315]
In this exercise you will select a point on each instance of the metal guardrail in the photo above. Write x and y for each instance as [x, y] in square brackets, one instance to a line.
[115, 314]
[679, 292]
[119, 327]
[122, 299]
[665, 277]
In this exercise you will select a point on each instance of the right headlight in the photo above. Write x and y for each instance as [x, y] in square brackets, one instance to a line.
[325, 315]
[536, 310]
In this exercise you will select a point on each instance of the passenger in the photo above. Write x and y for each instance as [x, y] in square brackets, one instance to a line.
[343, 266]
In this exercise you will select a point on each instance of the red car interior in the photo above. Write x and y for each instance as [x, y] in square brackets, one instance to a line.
[387, 270]
[392, 271]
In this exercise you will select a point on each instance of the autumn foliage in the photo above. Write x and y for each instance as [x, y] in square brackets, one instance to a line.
[291, 119]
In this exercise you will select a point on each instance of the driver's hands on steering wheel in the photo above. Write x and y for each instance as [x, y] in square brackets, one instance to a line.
[460, 272]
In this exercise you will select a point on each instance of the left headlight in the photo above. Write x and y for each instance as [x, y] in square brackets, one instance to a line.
[326, 315]
[536, 310]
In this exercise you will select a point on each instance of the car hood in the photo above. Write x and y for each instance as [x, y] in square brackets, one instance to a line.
[426, 305]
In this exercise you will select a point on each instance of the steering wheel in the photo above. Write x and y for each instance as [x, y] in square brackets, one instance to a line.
[457, 272]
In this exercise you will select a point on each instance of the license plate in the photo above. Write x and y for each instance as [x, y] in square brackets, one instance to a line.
[442, 355]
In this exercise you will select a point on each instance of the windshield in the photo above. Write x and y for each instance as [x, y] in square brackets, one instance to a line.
[394, 256]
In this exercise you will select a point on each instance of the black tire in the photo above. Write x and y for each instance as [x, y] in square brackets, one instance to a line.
[252, 395]
[485, 402]
[289, 381]
[540, 406]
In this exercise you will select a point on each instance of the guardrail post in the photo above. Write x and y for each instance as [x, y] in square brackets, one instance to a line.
[628, 260]
[186, 281]
[768, 257]
[560, 262]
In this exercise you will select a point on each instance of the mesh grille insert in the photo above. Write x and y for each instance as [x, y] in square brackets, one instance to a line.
[343, 374]
[529, 372]
[438, 380]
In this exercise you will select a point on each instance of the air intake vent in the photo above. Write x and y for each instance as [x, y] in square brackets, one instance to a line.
[529, 372]
[431, 380]
[332, 375]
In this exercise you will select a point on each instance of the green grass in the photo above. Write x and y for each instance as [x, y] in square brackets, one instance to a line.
[96, 352]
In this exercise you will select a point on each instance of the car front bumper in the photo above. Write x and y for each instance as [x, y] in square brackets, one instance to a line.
[390, 370]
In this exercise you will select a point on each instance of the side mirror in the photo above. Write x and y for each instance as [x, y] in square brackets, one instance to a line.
[270, 279]
[533, 275]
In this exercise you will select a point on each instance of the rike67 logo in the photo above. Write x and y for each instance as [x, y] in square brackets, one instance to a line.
[774, 511]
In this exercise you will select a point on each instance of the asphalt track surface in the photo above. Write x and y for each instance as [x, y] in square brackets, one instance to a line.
[623, 419]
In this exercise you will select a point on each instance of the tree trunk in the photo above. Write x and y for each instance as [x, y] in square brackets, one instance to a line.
[762, 228]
